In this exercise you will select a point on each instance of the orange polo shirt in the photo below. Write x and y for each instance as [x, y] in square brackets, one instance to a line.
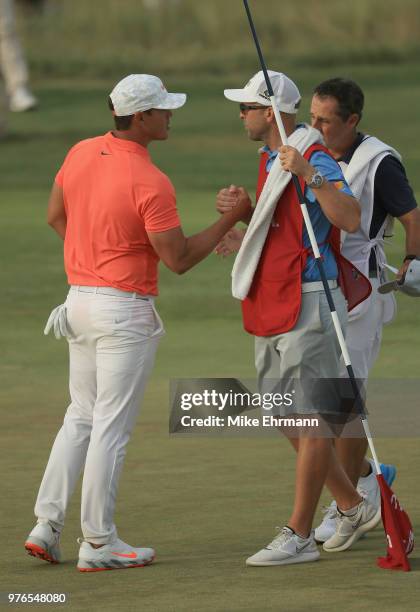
[113, 196]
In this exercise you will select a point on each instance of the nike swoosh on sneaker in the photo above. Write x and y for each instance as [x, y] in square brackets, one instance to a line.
[131, 555]
[300, 548]
[356, 525]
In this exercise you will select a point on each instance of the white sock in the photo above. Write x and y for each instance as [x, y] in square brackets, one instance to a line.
[351, 511]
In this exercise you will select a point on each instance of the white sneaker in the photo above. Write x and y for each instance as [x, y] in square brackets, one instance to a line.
[44, 543]
[368, 488]
[22, 100]
[327, 528]
[350, 528]
[287, 547]
[117, 555]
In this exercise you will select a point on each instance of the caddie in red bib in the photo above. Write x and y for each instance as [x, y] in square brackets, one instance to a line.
[284, 306]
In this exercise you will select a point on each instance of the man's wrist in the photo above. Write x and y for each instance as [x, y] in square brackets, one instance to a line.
[307, 177]
[315, 180]
[248, 216]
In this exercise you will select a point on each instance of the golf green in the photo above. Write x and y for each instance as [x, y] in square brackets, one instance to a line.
[204, 503]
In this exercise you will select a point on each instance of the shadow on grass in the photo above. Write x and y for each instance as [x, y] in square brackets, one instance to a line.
[415, 564]
[44, 566]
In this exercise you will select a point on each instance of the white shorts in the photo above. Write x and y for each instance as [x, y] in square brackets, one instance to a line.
[364, 335]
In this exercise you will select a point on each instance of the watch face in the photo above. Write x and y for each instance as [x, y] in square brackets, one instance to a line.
[317, 180]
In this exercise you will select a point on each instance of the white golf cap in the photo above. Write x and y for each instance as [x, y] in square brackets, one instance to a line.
[411, 283]
[286, 93]
[141, 92]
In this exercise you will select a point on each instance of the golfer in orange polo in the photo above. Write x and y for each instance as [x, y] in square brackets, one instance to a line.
[116, 212]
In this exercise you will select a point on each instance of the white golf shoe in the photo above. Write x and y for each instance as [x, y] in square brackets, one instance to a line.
[349, 529]
[22, 100]
[44, 543]
[368, 487]
[116, 555]
[327, 528]
[286, 548]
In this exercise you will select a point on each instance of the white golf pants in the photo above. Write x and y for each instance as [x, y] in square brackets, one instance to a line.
[112, 345]
[12, 60]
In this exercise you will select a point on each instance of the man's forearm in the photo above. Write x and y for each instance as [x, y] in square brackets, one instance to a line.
[248, 217]
[341, 210]
[412, 241]
[198, 246]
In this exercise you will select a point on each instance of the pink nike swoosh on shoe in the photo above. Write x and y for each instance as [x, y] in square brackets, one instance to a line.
[131, 555]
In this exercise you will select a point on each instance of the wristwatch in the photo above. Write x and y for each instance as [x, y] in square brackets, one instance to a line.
[317, 180]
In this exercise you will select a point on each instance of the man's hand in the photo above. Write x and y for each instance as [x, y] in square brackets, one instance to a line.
[292, 161]
[229, 198]
[411, 223]
[180, 253]
[230, 243]
[241, 208]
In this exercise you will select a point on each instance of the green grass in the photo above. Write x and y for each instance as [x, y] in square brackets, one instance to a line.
[107, 36]
[204, 503]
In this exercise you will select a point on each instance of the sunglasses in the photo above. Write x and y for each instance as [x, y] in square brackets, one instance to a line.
[247, 107]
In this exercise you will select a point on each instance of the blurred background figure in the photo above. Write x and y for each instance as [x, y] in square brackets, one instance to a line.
[13, 65]
[31, 6]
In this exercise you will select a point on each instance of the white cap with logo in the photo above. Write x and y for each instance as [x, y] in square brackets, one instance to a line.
[286, 93]
[141, 92]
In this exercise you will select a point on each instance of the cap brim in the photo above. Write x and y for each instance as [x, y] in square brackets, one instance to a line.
[172, 101]
[244, 95]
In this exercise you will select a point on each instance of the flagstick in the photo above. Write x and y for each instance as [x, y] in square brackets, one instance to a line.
[371, 446]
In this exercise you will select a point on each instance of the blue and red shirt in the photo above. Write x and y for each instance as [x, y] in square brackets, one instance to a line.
[329, 168]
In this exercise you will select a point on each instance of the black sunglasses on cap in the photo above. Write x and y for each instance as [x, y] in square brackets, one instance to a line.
[247, 107]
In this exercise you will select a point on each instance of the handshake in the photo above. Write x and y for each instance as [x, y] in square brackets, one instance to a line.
[228, 200]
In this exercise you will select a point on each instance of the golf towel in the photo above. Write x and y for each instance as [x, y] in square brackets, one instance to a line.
[369, 150]
[249, 254]
[363, 166]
